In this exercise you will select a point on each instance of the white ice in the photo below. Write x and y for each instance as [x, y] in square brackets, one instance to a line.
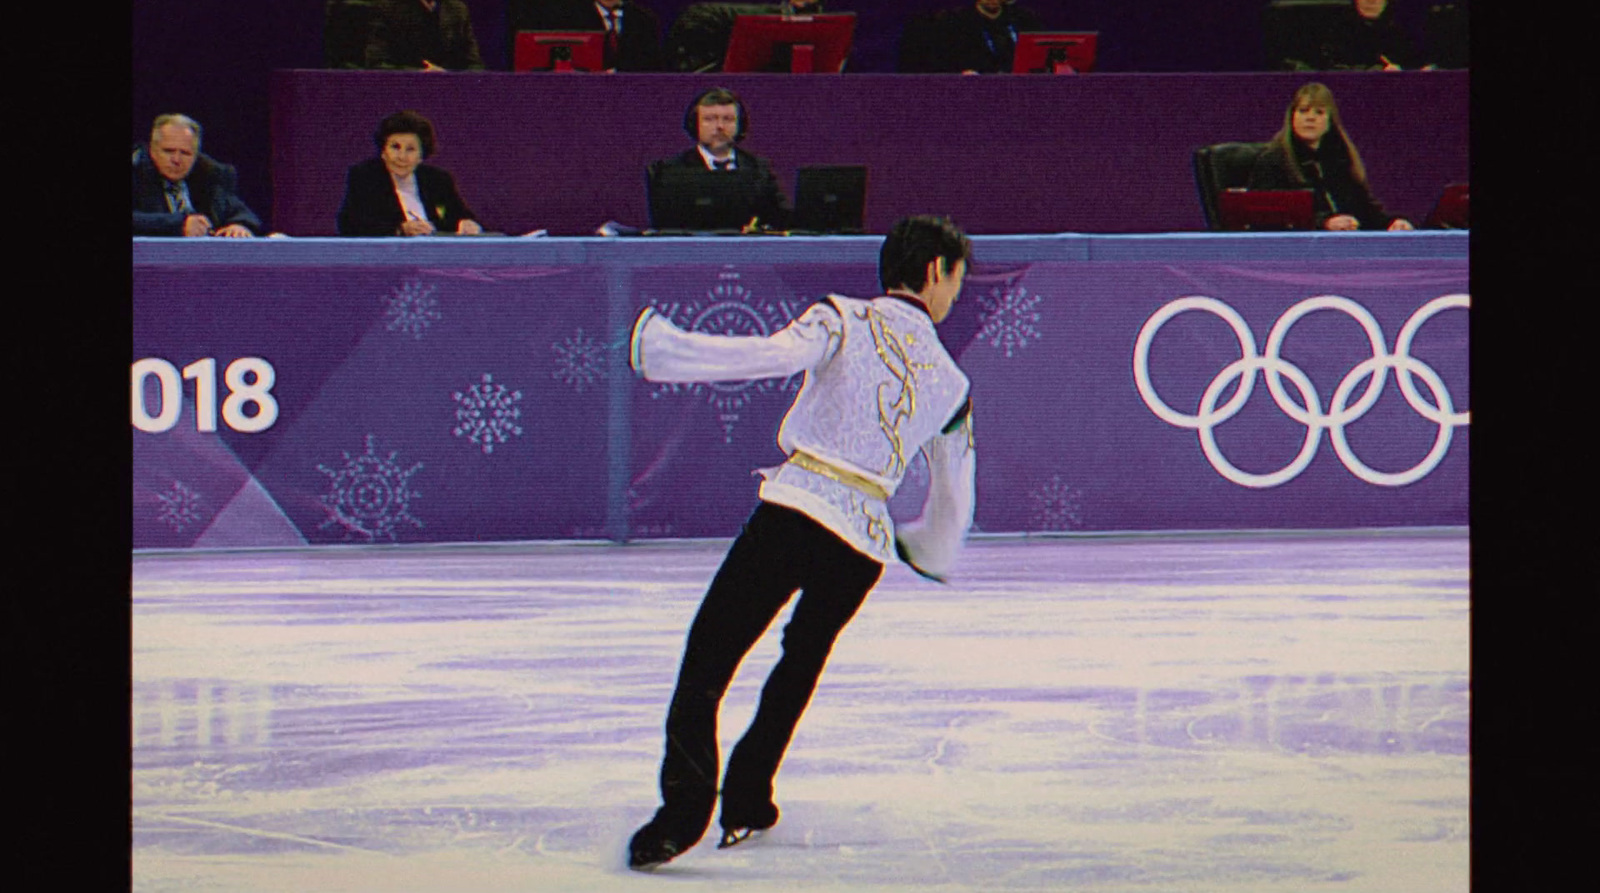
[1160, 713]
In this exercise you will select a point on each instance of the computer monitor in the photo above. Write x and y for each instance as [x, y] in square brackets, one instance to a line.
[1055, 52]
[1265, 209]
[817, 43]
[830, 198]
[691, 199]
[558, 51]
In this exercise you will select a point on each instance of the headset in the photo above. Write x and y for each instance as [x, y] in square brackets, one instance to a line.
[691, 118]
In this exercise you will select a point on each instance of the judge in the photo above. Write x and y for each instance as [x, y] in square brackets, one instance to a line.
[396, 194]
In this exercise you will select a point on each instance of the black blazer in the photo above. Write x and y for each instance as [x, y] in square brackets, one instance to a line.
[752, 188]
[638, 47]
[371, 207]
[1334, 189]
[969, 42]
[404, 34]
[1355, 42]
[212, 186]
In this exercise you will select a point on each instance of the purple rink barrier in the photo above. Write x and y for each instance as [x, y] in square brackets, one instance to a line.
[457, 390]
[1096, 153]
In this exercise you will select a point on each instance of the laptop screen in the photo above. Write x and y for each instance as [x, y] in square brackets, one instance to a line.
[686, 198]
[830, 198]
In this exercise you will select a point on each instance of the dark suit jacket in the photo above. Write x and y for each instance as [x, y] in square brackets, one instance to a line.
[404, 34]
[371, 207]
[963, 47]
[754, 191]
[1335, 191]
[1355, 42]
[212, 186]
[638, 47]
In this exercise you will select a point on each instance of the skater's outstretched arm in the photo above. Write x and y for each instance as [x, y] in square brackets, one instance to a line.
[931, 543]
[660, 351]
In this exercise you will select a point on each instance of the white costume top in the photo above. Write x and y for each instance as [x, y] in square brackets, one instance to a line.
[844, 464]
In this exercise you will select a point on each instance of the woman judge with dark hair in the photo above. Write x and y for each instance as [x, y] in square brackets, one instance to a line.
[1312, 150]
[396, 194]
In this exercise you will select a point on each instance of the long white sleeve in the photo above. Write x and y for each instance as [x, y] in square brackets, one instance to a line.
[660, 351]
[931, 543]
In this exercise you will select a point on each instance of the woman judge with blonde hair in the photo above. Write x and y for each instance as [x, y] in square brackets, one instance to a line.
[1313, 150]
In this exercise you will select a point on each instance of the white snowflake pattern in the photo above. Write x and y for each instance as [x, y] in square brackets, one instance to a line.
[1056, 505]
[412, 308]
[180, 506]
[729, 309]
[1009, 318]
[371, 495]
[487, 414]
[580, 361]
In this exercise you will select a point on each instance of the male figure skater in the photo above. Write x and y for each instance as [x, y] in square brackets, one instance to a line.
[878, 387]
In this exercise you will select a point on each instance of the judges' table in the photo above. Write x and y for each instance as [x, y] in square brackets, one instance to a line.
[290, 391]
[1103, 153]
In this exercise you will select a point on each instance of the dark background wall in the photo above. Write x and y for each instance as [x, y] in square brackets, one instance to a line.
[212, 58]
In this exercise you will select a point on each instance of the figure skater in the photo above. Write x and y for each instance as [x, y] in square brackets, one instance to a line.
[878, 387]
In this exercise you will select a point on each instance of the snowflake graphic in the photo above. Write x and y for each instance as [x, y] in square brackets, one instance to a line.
[1009, 318]
[580, 361]
[180, 506]
[370, 495]
[1056, 505]
[412, 308]
[729, 309]
[487, 413]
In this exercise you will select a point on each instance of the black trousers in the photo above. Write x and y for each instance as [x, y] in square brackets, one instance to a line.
[778, 552]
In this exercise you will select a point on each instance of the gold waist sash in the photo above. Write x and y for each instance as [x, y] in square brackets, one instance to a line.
[833, 472]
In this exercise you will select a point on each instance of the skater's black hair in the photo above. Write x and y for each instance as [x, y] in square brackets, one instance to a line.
[915, 241]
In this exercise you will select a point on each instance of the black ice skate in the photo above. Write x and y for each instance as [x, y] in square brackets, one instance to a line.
[740, 823]
[650, 848]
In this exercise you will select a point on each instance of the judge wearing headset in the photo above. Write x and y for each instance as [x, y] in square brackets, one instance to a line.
[717, 121]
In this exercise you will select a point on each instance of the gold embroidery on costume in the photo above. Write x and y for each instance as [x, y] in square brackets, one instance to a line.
[876, 530]
[834, 473]
[904, 405]
[808, 321]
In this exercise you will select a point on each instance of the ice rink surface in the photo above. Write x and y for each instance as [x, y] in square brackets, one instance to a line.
[1194, 713]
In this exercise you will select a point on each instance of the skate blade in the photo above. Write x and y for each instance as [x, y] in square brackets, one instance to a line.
[736, 836]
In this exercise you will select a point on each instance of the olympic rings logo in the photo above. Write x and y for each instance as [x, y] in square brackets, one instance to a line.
[1308, 412]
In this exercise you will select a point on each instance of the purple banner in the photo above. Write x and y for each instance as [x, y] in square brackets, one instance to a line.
[475, 390]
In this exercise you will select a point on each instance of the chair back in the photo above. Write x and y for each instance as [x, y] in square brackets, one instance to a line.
[1452, 211]
[1223, 166]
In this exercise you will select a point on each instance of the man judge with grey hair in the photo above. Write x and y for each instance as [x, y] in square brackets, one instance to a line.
[178, 191]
